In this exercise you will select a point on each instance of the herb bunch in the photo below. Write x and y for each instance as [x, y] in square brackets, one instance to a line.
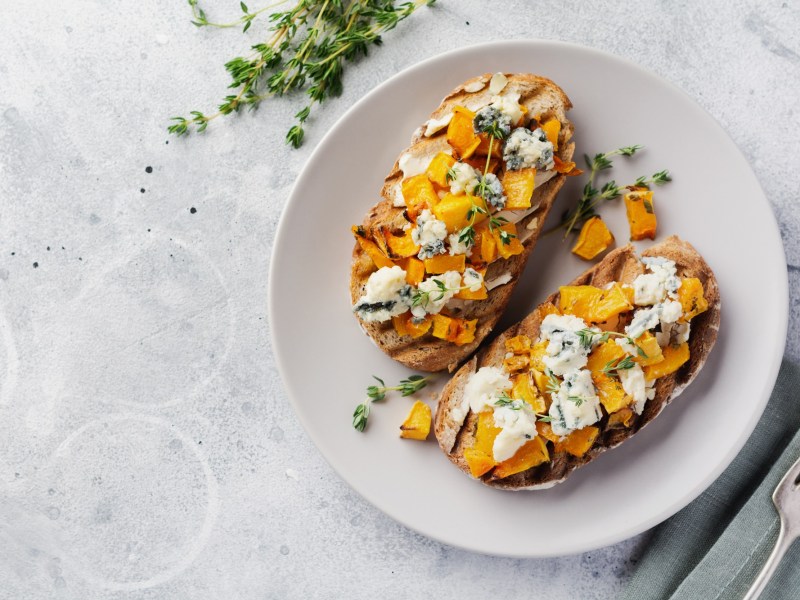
[376, 393]
[306, 51]
[591, 196]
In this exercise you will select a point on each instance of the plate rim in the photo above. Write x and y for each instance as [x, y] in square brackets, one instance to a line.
[769, 380]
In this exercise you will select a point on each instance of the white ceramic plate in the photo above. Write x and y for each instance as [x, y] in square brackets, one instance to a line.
[714, 202]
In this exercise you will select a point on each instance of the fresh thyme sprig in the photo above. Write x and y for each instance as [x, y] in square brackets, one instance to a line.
[587, 339]
[376, 393]
[307, 50]
[504, 400]
[613, 366]
[591, 196]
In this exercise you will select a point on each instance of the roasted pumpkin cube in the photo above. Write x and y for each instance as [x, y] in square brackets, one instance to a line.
[481, 294]
[508, 243]
[485, 433]
[531, 454]
[518, 187]
[453, 210]
[641, 215]
[609, 389]
[593, 304]
[442, 263]
[579, 441]
[648, 344]
[594, 239]
[419, 193]
[466, 331]
[461, 133]
[520, 344]
[551, 128]
[453, 329]
[691, 298]
[483, 148]
[371, 249]
[516, 362]
[437, 170]
[540, 379]
[400, 246]
[566, 167]
[538, 352]
[546, 432]
[621, 418]
[524, 389]
[404, 325]
[674, 358]
[479, 463]
[488, 246]
[417, 425]
[414, 268]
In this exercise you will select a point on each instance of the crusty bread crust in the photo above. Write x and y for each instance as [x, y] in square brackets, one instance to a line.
[541, 97]
[620, 265]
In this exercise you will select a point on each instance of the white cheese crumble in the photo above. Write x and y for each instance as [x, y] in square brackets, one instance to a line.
[434, 297]
[484, 387]
[660, 283]
[508, 105]
[463, 178]
[673, 333]
[386, 295]
[565, 350]
[518, 425]
[576, 405]
[526, 149]
[456, 246]
[472, 280]
[436, 125]
[429, 235]
[498, 83]
[633, 383]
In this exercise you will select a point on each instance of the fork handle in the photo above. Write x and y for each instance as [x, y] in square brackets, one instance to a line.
[781, 546]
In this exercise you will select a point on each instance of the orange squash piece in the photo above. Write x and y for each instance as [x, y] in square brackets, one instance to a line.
[674, 358]
[593, 240]
[488, 245]
[524, 389]
[453, 210]
[480, 457]
[648, 343]
[481, 294]
[441, 263]
[400, 246]
[609, 389]
[437, 170]
[691, 298]
[566, 168]
[546, 431]
[417, 425]
[453, 329]
[414, 268]
[592, 304]
[404, 325]
[619, 419]
[513, 247]
[531, 454]
[538, 352]
[540, 379]
[419, 193]
[641, 215]
[520, 344]
[518, 187]
[461, 134]
[371, 249]
[516, 362]
[551, 128]
[483, 147]
[579, 441]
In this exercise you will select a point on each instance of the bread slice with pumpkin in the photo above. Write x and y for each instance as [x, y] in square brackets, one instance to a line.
[586, 370]
[436, 260]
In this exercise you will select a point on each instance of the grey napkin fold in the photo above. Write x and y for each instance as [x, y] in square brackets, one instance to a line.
[714, 548]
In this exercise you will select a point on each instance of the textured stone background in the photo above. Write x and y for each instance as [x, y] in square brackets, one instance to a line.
[147, 449]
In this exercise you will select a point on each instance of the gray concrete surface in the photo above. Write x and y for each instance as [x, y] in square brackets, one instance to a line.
[147, 448]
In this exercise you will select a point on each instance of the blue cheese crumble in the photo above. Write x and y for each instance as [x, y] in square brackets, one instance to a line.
[386, 295]
[432, 297]
[491, 190]
[566, 350]
[429, 235]
[472, 280]
[463, 178]
[576, 404]
[526, 149]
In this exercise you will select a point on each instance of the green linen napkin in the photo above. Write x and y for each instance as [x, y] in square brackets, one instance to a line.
[714, 548]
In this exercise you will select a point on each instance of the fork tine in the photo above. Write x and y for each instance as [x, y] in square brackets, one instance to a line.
[787, 495]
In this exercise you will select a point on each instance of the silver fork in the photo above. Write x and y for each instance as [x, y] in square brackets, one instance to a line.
[787, 500]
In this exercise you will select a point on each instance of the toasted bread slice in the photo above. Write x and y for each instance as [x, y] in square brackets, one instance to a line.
[541, 97]
[620, 265]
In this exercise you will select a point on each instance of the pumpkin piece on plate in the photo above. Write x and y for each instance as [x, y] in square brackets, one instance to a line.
[641, 215]
[593, 240]
[417, 425]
